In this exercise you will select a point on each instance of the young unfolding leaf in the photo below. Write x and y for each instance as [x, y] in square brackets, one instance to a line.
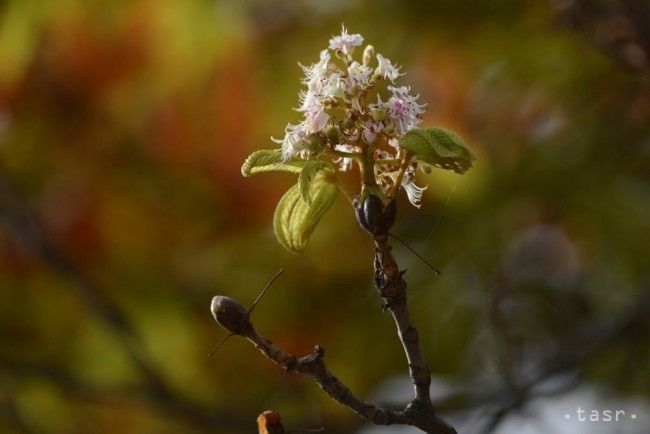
[295, 218]
[308, 174]
[268, 160]
[439, 147]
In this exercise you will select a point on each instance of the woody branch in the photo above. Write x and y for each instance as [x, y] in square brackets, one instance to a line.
[419, 412]
[392, 288]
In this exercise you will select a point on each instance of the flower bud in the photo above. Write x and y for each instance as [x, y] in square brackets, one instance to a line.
[368, 54]
[378, 114]
[336, 113]
[229, 314]
[333, 135]
[351, 122]
[374, 217]
[314, 144]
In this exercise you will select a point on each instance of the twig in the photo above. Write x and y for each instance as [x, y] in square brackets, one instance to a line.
[250, 310]
[232, 316]
[235, 318]
[392, 288]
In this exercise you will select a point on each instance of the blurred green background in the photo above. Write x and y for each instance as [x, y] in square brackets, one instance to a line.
[123, 125]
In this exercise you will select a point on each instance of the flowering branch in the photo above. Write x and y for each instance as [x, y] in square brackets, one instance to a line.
[346, 121]
[342, 125]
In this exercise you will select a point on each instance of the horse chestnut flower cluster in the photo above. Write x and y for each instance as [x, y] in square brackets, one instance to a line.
[353, 109]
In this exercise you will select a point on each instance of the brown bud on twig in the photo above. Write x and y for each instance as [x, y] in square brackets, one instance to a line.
[230, 315]
[374, 217]
[269, 422]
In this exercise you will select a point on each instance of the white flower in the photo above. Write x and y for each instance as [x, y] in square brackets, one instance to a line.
[370, 130]
[310, 101]
[315, 116]
[316, 120]
[335, 86]
[403, 110]
[413, 191]
[345, 42]
[386, 69]
[316, 73]
[293, 141]
[359, 75]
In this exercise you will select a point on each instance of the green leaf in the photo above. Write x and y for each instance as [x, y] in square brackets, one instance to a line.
[439, 147]
[268, 160]
[295, 219]
[307, 175]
